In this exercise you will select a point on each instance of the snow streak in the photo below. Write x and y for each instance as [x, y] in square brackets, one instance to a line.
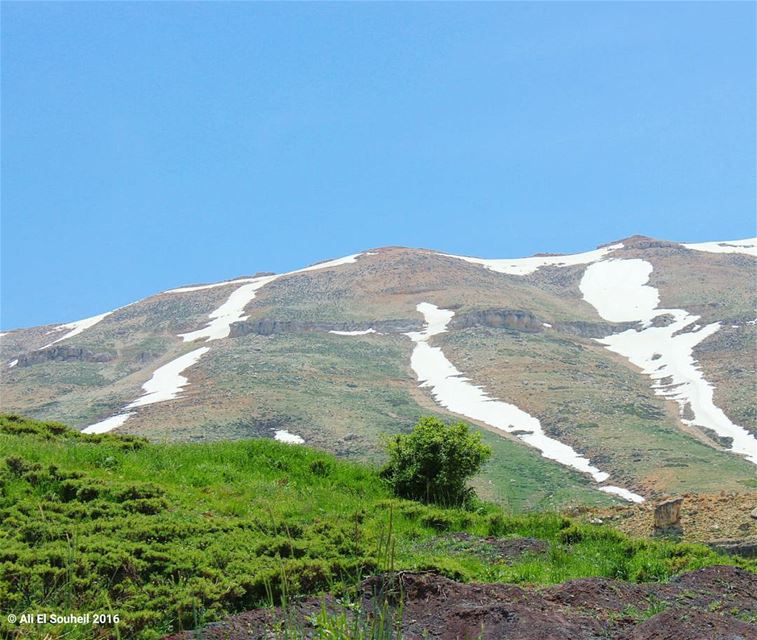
[457, 394]
[618, 290]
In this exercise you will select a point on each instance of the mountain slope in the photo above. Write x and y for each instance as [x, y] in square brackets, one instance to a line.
[578, 367]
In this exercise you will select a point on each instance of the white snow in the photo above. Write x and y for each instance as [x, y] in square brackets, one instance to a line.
[525, 266]
[13, 363]
[746, 246]
[167, 382]
[617, 289]
[76, 328]
[546, 324]
[329, 263]
[229, 312]
[321, 265]
[108, 424]
[232, 310]
[353, 333]
[623, 493]
[215, 285]
[282, 435]
[455, 392]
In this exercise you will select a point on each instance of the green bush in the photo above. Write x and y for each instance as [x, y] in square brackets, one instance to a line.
[434, 462]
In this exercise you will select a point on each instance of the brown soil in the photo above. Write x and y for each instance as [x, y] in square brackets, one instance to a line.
[712, 603]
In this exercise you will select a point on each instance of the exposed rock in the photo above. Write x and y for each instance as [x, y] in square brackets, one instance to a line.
[63, 353]
[723, 441]
[746, 548]
[593, 329]
[645, 242]
[513, 319]
[663, 320]
[668, 513]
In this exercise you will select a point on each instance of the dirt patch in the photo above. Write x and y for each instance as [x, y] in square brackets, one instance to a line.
[684, 624]
[714, 603]
[492, 548]
[704, 517]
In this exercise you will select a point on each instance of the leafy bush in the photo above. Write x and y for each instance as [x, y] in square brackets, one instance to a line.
[434, 462]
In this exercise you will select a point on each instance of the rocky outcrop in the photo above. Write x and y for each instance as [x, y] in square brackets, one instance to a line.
[594, 329]
[745, 548]
[63, 354]
[514, 319]
[645, 242]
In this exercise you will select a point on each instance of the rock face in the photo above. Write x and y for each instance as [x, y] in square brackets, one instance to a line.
[745, 548]
[63, 354]
[668, 513]
[513, 319]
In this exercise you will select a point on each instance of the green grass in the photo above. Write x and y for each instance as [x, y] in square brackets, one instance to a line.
[169, 536]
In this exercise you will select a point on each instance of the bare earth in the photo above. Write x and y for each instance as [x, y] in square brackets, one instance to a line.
[715, 603]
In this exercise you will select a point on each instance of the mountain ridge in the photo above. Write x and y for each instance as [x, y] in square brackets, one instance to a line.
[373, 299]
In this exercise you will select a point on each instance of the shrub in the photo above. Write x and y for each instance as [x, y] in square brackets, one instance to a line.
[434, 462]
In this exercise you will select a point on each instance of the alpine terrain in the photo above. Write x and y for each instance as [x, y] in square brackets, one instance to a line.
[621, 373]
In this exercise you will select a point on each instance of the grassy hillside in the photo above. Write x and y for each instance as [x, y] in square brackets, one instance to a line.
[598, 405]
[168, 536]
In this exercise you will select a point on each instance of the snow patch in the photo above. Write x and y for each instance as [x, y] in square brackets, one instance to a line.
[229, 312]
[167, 382]
[232, 310]
[76, 328]
[203, 287]
[526, 266]
[13, 363]
[623, 493]
[455, 392]
[353, 333]
[618, 290]
[546, 324]
[328, 264]
[282, 435]
[108, 424]
[747, 246]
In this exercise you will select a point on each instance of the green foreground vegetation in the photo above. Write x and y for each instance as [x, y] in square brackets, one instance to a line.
[170, 536]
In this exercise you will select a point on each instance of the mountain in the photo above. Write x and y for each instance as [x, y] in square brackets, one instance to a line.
[616, 374]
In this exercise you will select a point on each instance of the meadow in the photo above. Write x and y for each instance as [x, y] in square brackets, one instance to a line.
[171, 536]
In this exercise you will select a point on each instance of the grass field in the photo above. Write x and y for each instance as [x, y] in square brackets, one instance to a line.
[168, 536]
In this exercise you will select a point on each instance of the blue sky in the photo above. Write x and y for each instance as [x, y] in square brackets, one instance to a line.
[149, 145]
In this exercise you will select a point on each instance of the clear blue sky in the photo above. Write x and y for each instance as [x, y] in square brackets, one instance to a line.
[149, 145]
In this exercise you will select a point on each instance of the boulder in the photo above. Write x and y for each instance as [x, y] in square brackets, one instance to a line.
[668, 513]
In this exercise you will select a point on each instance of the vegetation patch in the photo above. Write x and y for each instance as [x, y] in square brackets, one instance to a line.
[170, 536]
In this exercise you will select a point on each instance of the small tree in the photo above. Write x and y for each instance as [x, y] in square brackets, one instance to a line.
[434, 462]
